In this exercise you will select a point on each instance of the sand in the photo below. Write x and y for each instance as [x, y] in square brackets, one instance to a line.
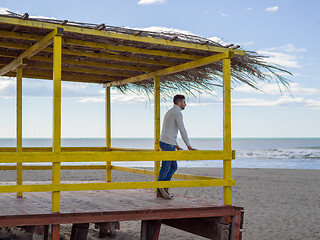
[279, 204]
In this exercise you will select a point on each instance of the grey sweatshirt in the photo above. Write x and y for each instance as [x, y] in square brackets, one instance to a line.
[172, 122]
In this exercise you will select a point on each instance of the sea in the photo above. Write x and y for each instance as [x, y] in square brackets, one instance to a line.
[270, 153]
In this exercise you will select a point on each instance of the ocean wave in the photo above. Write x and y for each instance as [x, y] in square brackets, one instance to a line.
[292, 153]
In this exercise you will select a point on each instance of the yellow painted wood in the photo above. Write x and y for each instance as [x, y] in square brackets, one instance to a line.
[131, 149]
[227, 192]
[25, 36]
[84, 70]
[84, 63]
[114, 185]
[93, 55]
[151, 172]
[129, 37]
[108, 131]
[56, 167]
[31, 51]
[68, 167]
[156, 123]
[116, 156]
[178, 68]
[19, 126]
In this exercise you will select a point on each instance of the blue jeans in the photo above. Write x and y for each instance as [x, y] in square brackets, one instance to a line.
[168, 168]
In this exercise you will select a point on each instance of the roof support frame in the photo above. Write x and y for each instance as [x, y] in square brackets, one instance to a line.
[42, 44]
[83, 30]
[182, 67]
[33, 37]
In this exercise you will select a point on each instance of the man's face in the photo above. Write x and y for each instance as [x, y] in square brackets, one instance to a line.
[182, 104]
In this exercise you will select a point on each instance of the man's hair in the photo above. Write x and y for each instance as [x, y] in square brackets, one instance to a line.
[178, 98]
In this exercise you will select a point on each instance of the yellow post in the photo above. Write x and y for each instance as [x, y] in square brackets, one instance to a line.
[156, 123]
[19, 126]
[56, 167]
[227, 193]
[108, 131]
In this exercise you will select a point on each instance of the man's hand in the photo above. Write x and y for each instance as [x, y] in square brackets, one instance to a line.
[179, 148]
[191, 148]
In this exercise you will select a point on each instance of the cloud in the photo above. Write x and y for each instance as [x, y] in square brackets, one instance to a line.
[116, 96]
[282, 59]
[287, 48]
[272, 9]
[149, 2]
[3, 10]
[164, 29]
[284, 101]
[249, 8]
[273, 89]
[218, 40]
[223, 14]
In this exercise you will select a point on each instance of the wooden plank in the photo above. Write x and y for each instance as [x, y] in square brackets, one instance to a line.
[178, 68]
[118, 156]
[39, 46]
[211, 228]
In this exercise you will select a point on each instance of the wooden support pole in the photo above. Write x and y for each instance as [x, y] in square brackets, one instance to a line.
[108, 131]
[79, 231]
[55, 232]
[150, 229]
[56, 166]
[19, 126]
[156, 123]
[227, 193]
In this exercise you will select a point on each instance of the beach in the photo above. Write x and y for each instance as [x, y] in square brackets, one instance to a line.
[279, 204]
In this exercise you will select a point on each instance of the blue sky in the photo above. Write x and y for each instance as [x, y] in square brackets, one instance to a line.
[288, 31]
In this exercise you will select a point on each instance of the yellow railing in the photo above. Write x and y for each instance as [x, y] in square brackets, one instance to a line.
[94, 154]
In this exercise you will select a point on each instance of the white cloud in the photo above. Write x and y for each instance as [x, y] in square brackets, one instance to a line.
[223, 14]
[287, 48]
[148, 2]
[218, 40]
[273, 89]
[3, 10]
[164, 29]
[283, 59]
[116, 96]
[272, 9]
[249, 8]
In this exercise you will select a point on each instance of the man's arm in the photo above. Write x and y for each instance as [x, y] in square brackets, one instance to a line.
[183, 132]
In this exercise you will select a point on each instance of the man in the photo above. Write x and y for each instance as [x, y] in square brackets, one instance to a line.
[172, 122]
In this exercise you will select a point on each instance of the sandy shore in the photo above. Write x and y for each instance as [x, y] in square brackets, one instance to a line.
[279, 204]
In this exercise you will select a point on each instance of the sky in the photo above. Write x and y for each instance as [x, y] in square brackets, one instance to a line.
[288, 31]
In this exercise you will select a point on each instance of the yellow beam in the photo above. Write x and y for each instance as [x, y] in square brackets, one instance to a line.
[103, 46]
[19, 126]
[108, 131]
[115, 185]
[151, 173]
[227, 192]
[156, 123]
[56, 167]
[69, 167]
[83, 70]
[81, 30]
[117, 156]
[39, 46]
[72, 77]
[84, 63]
[92, 54]
[171, 70]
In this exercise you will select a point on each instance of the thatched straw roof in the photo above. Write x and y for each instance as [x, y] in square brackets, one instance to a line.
[97, 53]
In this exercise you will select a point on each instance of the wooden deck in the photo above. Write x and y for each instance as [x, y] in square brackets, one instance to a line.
[107, 206]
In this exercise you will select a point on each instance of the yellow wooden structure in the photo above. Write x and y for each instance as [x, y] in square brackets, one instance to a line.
[60, 52]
